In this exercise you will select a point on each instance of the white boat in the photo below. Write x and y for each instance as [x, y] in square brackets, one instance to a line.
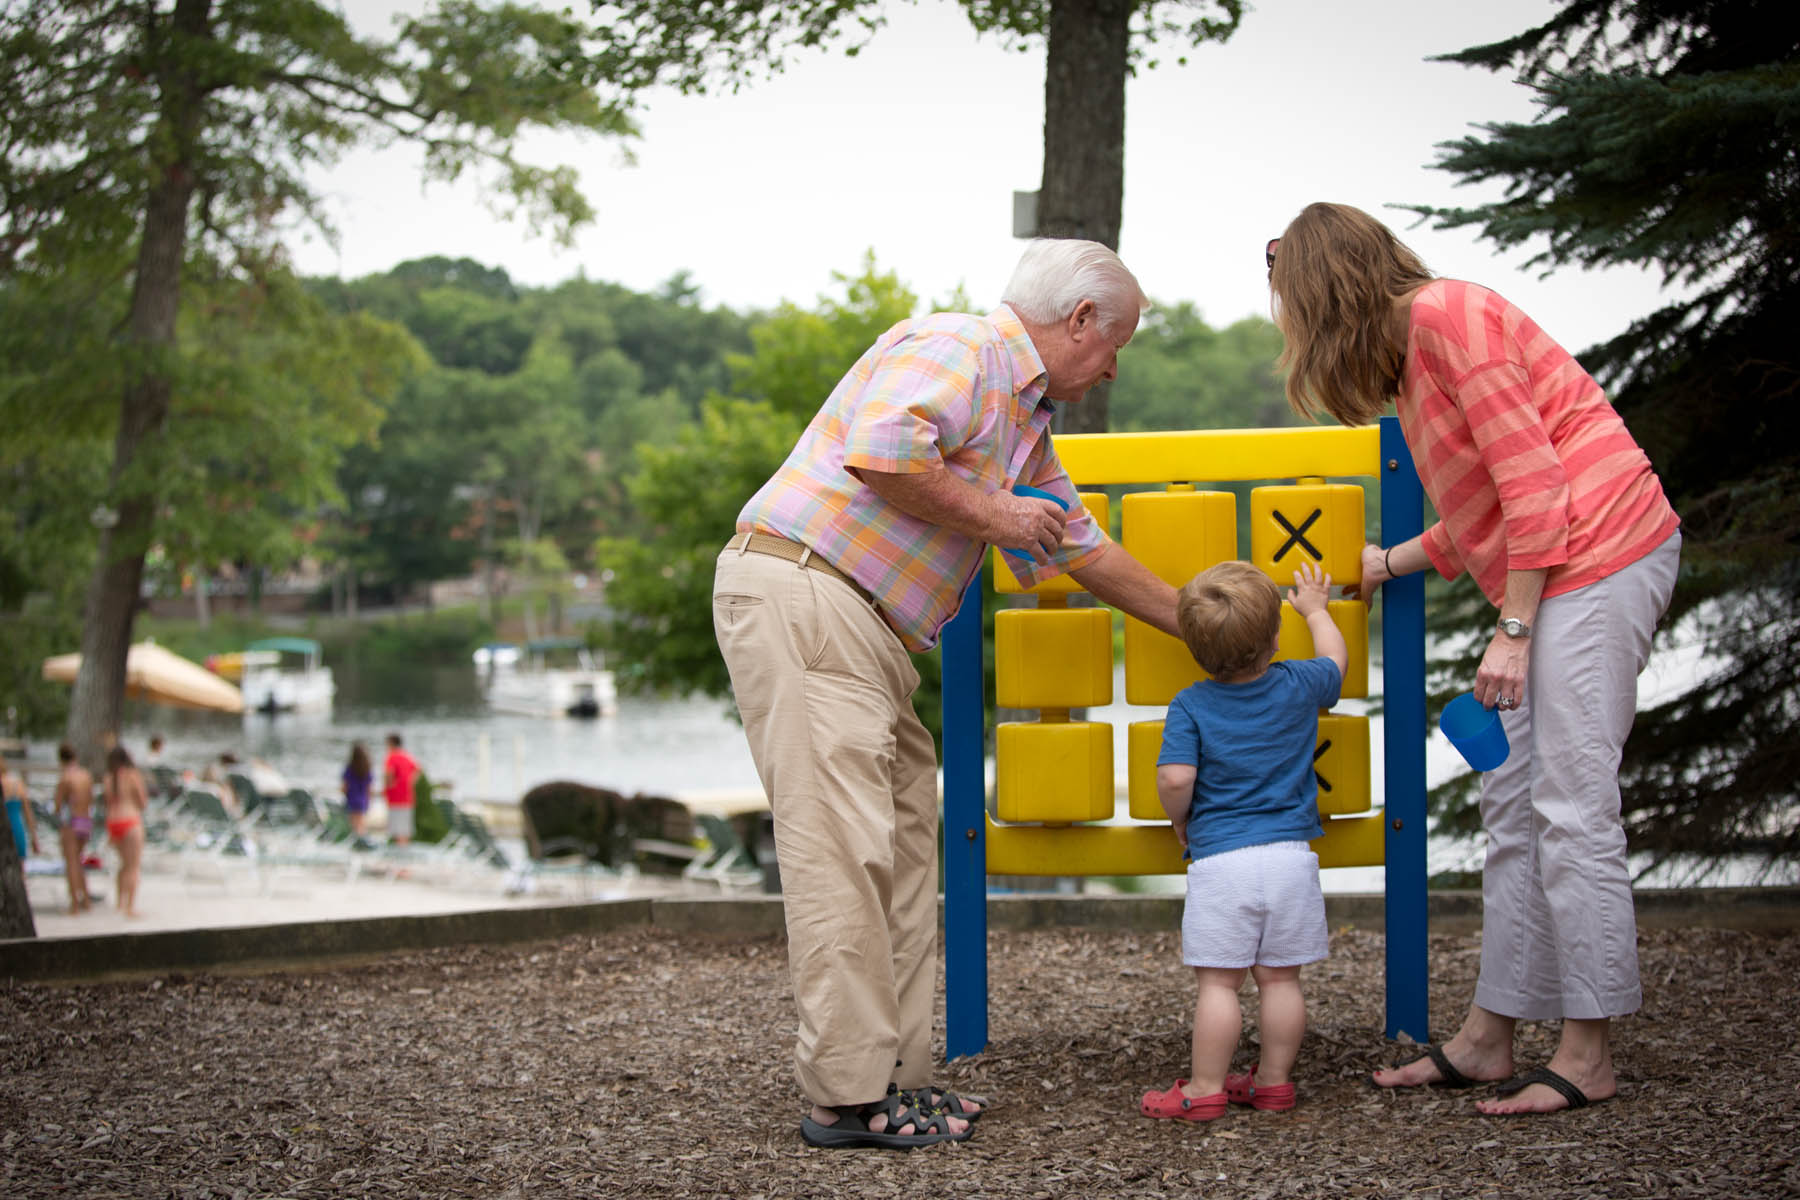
[285, 674]
[552, 677]
[495, 655]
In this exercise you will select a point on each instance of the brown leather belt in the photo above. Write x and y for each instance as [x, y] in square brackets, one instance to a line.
[794, 552]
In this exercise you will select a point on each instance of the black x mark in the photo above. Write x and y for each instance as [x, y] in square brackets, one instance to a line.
[1323, 746]
[1299, 535]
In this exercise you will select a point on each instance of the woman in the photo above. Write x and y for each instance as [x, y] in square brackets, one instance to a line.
[126, 799]
[1548, 502]
[357, 774]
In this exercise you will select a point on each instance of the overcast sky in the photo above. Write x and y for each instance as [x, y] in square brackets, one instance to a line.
[914, 148]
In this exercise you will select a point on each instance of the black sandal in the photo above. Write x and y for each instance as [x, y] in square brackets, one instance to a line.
[1451, 1077]
[1550, 1079]
[851, 1130]
[938, 1100]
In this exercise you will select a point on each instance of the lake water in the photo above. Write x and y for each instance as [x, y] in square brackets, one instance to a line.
[689, 748]
[663, 746]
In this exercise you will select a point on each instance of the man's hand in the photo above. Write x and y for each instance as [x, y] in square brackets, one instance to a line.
[1024, 523]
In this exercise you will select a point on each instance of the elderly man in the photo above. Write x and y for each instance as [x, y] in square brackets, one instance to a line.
[855, 552]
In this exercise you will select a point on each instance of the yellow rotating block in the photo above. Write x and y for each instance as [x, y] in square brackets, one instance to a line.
[1341, 764]
[1053, 658]
[1143, 742]
[1316, 522]
[1054, 772]
[1177, 534]
[1352, 619]
[1007, 584]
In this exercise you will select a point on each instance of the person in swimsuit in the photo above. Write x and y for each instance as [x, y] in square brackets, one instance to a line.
[18, 811]
[74, 806]
[125, 801]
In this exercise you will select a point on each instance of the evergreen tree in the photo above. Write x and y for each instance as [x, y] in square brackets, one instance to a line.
[1670, 139]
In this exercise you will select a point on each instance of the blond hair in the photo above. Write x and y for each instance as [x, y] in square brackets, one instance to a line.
[1337, 275]
[1230, 616]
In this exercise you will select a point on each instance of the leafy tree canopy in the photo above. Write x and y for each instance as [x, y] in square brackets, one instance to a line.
[167, 144]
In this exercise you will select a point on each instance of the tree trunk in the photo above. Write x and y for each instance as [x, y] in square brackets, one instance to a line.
[1083, 189]
[112, 595]
[202, 609]
[15, 904]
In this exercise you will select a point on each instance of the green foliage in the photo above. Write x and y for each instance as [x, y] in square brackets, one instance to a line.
[525, 440]
[441, 637]
[1180, 373]
[800, 356]
[1668, 140]
[145, 138]
[697, 48]
[660, 581]
[1185, 24]
[689, 493]
[430, 822]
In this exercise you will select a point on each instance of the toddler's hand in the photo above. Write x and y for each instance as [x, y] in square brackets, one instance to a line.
[1311, 591]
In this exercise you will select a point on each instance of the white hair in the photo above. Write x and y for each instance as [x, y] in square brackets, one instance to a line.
[1056, 274]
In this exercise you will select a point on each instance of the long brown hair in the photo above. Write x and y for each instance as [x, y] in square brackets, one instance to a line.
[1337, 275]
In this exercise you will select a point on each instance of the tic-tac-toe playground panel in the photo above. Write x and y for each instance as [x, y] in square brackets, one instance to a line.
[1055, 781]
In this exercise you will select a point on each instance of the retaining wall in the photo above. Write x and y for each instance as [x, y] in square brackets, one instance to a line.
[300, 945]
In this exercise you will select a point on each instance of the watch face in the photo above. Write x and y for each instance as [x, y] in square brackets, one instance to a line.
[1513, 626]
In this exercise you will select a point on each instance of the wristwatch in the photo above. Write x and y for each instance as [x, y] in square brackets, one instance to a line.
[1513, 627]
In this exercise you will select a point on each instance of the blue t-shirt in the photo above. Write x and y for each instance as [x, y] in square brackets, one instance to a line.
[1252, 744]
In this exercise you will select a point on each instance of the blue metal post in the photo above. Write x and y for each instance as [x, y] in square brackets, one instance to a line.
[965, 832]
[1403, 696]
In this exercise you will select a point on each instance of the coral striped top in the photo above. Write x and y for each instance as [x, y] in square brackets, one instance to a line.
[1525, 460]
[947, 392]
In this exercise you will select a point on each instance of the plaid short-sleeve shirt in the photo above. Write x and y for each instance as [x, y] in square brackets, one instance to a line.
[951, 392]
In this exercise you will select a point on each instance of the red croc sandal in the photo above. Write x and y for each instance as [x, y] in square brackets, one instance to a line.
[1172, 1105]
[1242, 1089]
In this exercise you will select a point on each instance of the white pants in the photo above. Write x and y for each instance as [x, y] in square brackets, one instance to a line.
[825, 689]
[1255, 906]
[1559, 934]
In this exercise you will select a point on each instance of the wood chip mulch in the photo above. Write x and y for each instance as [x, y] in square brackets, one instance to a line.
[643, 1063]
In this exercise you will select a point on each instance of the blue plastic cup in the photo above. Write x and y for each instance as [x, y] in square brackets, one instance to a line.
[1475, 731]
[1022, 489]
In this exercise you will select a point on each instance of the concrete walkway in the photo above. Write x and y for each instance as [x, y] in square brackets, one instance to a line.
[176, 894]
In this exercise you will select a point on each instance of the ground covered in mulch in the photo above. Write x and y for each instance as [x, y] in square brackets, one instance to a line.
[646, 1063]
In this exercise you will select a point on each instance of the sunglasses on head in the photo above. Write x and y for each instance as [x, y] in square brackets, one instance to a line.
[1269, 252]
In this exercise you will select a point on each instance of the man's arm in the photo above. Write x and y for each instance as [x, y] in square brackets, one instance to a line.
[1122, 581]
[951, 502]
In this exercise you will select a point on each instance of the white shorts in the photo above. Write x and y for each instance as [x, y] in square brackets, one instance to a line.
[400, 821]
[1255, 906]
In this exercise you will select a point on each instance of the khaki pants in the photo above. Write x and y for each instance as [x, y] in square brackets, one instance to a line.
[825, 689]
[1559, 933]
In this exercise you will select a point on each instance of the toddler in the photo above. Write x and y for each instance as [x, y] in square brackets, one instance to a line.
[1236, 778]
